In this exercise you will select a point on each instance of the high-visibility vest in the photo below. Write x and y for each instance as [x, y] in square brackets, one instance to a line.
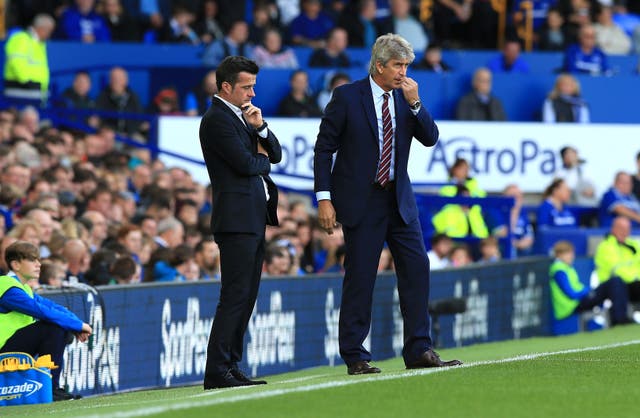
[615, 259]
[26, 65]
[12, 321]
[563, 305]
[455, 223]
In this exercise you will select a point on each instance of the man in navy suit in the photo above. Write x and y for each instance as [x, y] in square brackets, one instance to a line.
[238, 150]
[370, 125]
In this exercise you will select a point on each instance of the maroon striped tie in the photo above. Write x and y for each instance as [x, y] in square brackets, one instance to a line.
[384, 168]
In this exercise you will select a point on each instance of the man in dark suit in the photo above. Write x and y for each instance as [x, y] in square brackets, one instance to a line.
[370, 124]
[238, 149]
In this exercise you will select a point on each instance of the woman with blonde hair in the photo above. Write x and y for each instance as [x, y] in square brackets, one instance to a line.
[565, 103]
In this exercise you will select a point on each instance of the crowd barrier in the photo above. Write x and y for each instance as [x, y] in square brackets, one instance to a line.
[155, 335]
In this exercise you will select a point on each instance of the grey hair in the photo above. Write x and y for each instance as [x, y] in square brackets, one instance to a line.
[167, 224]
[43, 20]
[388, 47]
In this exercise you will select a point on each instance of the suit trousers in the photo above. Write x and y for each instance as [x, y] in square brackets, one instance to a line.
[364, 242]
[241, 257]
[38, 339]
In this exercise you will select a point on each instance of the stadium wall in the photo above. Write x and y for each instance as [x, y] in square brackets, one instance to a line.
[155, 335]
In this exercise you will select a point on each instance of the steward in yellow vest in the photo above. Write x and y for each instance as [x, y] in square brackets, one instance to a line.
[26, 67]
[569, 295]
[30, 323]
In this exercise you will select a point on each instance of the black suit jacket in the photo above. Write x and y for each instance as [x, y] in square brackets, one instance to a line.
[236, 171]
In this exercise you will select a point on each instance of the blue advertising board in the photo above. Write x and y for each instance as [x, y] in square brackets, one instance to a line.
[155, 335]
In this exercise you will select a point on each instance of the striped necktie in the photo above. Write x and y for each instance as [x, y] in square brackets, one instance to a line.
[384, 167]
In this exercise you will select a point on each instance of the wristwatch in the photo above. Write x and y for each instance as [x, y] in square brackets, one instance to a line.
[415, 105]
[261, 127]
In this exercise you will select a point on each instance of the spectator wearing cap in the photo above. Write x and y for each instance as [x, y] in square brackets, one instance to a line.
[68, 209]
[166, 102]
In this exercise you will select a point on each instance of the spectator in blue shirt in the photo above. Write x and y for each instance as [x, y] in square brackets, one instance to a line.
[516, 219]
[509, 60]
[619, 201]
[585, 57]
[311, 27]
[553, 212]
[30, 323]
[80, 22]
[539, 9]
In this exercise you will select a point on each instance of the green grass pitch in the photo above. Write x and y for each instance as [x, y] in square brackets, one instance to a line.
[585, 375]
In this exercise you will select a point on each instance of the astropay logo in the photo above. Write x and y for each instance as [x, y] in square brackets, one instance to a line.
[28, 388]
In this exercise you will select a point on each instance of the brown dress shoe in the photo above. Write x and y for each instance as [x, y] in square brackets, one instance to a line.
[431, 359]
[362, 367]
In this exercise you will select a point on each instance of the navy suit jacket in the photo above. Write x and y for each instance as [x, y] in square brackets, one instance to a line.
[236, 171]
[349, 127]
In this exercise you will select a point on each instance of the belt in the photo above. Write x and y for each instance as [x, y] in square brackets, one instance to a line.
[387, 187]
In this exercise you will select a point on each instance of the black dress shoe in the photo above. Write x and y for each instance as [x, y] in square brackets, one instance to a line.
[60, 394]
[362, 367]
[431, 359]
[237, 373]
[227, 380]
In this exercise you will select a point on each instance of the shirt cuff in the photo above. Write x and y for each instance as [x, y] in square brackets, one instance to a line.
[324, 195]
[264, 133]
[415, 112]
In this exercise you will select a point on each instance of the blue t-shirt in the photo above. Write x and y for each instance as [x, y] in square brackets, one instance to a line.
[548, 215]
[539, 10]
[75, 25]
[317, 28]
[611, 199]
[497, 65]
[576, 61]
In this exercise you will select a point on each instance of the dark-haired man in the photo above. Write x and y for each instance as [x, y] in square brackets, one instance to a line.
[238, 149]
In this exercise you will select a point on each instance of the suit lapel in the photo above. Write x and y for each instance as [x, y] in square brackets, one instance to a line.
[222, 105]
[369, 108]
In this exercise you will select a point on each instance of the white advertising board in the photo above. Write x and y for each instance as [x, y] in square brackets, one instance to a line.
[499, 153]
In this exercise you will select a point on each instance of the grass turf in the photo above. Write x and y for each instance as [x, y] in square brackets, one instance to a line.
[603, 382]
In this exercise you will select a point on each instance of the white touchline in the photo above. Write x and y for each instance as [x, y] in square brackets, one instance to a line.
[211, 398]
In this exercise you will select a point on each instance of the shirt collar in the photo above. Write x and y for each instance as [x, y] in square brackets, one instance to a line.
[231, 106]
[377, 91]
[11, 273]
